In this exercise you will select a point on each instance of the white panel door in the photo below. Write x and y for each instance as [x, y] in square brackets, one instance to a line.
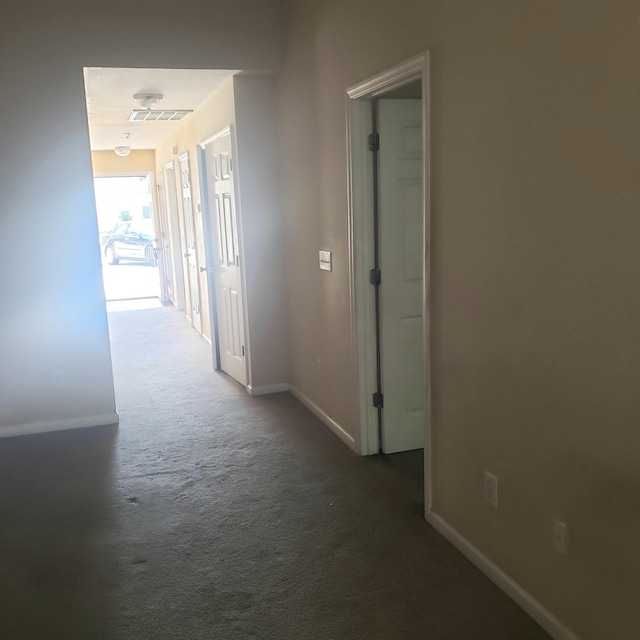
[175, 242]
[401, 236]
[227, 274]
[191, 258]
[163, 249]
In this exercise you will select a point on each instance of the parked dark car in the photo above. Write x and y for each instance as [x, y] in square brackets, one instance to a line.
[128, 241]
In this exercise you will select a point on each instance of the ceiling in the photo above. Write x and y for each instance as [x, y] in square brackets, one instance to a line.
[110, 101]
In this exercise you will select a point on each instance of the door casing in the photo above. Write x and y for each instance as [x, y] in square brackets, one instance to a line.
[360, 192]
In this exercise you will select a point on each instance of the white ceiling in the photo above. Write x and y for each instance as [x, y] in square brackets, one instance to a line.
[110, 101]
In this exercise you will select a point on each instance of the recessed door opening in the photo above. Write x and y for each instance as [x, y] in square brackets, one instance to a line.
[158, 236]
[389, 216]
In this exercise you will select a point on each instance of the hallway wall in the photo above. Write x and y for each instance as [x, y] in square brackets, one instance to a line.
[261, 205]
[53, 312]
[138, 161]
[535, 158]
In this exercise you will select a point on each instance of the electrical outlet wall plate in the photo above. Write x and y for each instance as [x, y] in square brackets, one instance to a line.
[560, 540]
[491, 489]
[325, 260]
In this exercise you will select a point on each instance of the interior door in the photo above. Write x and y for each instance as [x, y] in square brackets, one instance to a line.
[190, 254]
[401, 255]
[229, 311]
[164, 250]
[175, 236]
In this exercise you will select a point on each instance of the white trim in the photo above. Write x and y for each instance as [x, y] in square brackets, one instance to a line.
[535, 609]
[361, 298]
[122, 174]
[45, 426]
[361, 259]
[397, 76]
[330, 422]
[268, 388]
[220, 134]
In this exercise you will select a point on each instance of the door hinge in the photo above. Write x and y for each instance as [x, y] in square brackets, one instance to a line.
[374, 141]
[243, 350]
[375, 277]
[378, 400]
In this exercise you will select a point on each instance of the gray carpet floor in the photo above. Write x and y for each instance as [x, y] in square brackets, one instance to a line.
[210, 514]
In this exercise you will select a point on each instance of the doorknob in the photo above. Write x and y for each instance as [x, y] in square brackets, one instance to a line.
[204, 269]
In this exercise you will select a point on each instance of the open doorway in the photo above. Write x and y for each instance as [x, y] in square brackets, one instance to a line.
[157, 240]
[389, 195]
[127, 238]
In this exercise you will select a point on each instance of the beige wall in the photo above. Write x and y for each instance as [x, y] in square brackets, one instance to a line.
[534, 262]
[262, 229]
[53, 311]
[138, 161]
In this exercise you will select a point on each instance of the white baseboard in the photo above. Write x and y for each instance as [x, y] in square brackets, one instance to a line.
[330, 422]
[535, 609]
[59, 425]
[268, 388]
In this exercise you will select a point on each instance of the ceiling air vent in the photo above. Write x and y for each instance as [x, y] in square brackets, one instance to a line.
[157, 115]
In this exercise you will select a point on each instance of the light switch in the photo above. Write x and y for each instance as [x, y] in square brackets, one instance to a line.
[325, 260]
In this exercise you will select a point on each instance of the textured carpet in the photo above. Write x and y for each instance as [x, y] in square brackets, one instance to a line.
[213, 515]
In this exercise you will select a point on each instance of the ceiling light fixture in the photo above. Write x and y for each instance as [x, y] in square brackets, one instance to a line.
[123, 150]
[148, 100]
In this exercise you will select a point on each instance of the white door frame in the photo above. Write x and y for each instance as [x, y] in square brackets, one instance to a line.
[210, 251]
[360, 190]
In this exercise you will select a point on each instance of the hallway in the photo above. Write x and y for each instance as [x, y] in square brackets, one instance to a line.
[210, 514]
